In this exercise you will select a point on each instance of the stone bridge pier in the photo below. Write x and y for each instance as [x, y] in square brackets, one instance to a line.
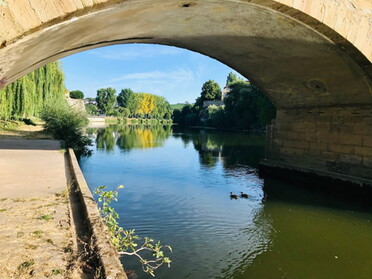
[334, 141]
[312, 58]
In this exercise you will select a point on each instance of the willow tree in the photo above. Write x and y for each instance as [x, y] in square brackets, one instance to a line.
[27, 96]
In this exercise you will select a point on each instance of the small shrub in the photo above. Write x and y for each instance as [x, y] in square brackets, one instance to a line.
[76, 94]
[67, 124]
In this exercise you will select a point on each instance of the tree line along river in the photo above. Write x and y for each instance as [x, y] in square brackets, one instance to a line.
[177, 184]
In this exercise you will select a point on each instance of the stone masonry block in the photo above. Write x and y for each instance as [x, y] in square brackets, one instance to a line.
[23, 14]
[367, 141]
[364, 151]
[350, 139]
[329, 156]
[296, 144]
[362, 129]
[341, 148]
[322, 126]
[351, 159]
[318, 146]
[306, 126]
[285, 134]
[367, 162]
[327, 137]
[291, 151]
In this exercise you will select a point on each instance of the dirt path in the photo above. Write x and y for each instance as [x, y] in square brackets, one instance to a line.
[21, 130]
[36, 237]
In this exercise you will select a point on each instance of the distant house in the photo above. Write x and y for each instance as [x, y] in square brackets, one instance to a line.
[90, 102]
[218, 103]
[224, 92]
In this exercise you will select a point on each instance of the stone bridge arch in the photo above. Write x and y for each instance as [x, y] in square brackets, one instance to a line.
[311, 57]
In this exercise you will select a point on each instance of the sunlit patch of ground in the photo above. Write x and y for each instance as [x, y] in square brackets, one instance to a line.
[36, 238]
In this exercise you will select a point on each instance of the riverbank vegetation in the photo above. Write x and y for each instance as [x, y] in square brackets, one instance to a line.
[151, 254]
[241, 105]
[129, 104]
[67, 123]
[26, 97]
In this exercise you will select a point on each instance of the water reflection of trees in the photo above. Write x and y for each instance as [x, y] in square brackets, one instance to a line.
[142, 137]
[231, 149]
[127, 137]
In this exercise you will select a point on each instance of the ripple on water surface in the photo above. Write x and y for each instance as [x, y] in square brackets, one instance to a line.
[178, 193]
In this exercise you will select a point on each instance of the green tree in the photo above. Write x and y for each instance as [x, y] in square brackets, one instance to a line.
[106, 100]
[177, 117]
[76, 94]
[246, 107]
[162, 109]
[211, 91]
[91, 109]
[231, 78]
[130, 100]
[124, 97]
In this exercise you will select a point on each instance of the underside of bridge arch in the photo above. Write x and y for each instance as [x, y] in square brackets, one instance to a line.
[320, 83]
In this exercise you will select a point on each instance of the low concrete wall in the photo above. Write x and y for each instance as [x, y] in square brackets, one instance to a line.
[107, 254]
[96, 119]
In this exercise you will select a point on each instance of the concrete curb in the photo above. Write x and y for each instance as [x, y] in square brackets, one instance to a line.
[107, 254]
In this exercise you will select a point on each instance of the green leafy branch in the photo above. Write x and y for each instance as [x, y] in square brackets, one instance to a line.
[126, 241]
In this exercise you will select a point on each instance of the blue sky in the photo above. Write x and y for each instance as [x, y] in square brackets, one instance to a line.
[175, 73]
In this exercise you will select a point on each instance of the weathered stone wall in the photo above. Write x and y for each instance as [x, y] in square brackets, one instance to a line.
[329, 139]
[351, 19]
[76, 103]
[302, 53]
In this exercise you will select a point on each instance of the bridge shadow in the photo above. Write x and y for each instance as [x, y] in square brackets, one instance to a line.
[313, 193]
[29, 144]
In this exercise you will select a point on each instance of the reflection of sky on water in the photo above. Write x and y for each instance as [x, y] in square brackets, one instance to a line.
[174, 195]
[177, 191]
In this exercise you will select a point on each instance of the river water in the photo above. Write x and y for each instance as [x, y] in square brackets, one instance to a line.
[177, 186]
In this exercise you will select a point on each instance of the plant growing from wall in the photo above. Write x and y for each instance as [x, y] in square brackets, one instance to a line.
[126, 241]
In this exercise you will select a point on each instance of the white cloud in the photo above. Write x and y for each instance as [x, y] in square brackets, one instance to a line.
[152, 76]
[165, 83]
